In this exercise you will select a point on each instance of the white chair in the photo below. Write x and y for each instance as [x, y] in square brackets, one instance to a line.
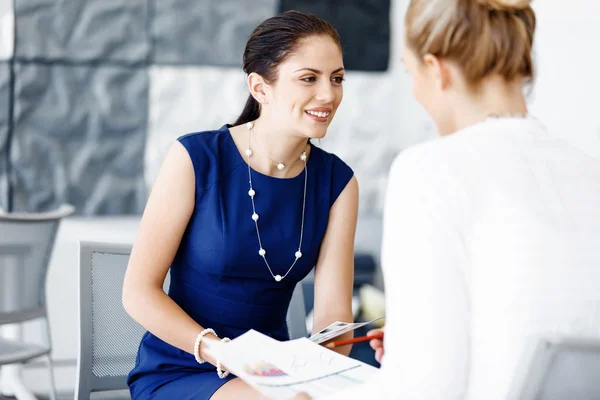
[108, 336]
[26, 243]
[558, 369]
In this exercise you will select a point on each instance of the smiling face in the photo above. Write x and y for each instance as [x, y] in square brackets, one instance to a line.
[308, 89]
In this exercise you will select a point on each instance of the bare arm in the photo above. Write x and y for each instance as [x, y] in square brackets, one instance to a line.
[165, 219]
[334, 272]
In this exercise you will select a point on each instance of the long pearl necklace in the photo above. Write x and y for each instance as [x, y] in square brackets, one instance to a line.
[262, 252]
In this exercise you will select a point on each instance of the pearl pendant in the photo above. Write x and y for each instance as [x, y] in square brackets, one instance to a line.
[251, 192]
[298, 254]
[248, 152]
[262, 252]
[303, 156]
[280, 166]
[278, 278]
[255, 217]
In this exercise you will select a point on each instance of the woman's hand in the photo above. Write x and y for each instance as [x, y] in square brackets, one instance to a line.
[301, 396]
[377, 344]
[210, 348]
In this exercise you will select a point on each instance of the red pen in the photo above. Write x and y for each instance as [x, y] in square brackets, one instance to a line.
[339, 343]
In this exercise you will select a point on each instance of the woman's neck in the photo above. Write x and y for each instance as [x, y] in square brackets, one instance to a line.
[275, 143]
[493, 97]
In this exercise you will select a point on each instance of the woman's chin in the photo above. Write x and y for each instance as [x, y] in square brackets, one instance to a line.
[316, 132]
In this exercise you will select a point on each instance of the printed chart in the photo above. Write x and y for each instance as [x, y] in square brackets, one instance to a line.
[279, 370]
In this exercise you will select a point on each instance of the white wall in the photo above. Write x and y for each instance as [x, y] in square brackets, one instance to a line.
[565, 95]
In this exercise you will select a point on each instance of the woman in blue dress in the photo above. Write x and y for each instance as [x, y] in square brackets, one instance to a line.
[241, 214]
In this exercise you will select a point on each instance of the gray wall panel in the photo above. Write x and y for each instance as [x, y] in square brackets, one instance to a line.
[113, 30]
[79, 137]
[205, 32]
[4, 109]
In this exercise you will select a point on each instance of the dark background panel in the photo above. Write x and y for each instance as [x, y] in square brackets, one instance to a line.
[364, 27]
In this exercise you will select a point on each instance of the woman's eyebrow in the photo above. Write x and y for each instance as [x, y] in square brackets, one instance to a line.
[316, 71]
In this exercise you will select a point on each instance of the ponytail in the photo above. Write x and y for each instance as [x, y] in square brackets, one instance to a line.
[250, 112]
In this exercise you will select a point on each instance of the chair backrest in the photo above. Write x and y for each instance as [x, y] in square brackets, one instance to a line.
[108, 337]
[557, 369]
[26, 243]
[296, 315]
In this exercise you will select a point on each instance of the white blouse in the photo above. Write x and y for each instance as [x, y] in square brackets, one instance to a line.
[491, 237]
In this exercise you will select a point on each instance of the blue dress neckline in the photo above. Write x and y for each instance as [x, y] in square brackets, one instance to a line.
[242, 159]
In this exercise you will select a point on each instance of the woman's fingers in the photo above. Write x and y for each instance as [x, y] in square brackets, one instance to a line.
[375, 331]
[302, 396]
[376, 344]
[379, 354]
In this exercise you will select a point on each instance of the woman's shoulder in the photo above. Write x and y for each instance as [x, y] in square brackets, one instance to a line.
[419, 158]
[331, 161]
[465, 148]
[211, 153]
[209, 140]
[434, 166]
[335, 172]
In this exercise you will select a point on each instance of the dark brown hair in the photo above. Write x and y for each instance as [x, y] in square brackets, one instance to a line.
[272, 42]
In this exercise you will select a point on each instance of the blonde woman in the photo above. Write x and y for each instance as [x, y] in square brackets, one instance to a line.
[491, 231]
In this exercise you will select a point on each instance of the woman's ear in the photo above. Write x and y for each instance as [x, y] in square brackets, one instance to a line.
[257, 86]
[437, 69]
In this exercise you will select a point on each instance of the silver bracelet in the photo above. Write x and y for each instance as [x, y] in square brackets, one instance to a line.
[197, 344]
[222, 374]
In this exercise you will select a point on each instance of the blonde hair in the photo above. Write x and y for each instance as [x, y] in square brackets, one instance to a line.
[483, 37]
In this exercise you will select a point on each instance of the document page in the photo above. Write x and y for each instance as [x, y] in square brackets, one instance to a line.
[280, 370]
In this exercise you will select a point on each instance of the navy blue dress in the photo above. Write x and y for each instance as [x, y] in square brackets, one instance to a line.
[217, 276]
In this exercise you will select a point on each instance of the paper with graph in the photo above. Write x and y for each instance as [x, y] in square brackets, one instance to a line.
[279, 370]
[338, 328]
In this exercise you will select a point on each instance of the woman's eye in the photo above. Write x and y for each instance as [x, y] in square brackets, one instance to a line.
[309, 79]
[338, 79]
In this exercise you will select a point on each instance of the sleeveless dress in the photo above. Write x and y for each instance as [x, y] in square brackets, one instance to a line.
[217, 275]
